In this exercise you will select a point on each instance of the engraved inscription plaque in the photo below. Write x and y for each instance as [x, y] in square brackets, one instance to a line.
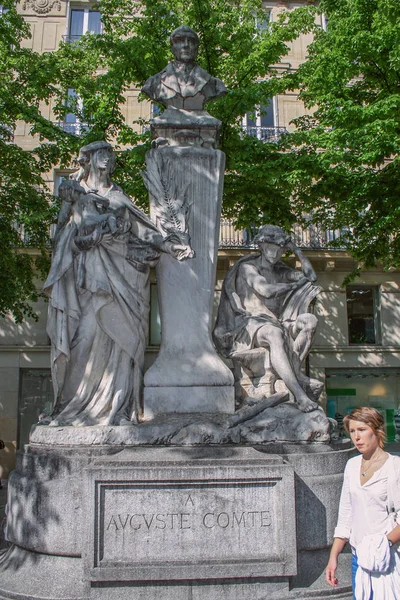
[186, 523]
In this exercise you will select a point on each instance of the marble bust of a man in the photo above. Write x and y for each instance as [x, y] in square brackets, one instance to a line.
[183, 84]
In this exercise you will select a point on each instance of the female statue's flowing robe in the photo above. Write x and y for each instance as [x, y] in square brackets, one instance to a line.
[98, 318]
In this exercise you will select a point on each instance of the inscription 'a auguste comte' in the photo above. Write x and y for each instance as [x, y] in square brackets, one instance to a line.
[209, 520]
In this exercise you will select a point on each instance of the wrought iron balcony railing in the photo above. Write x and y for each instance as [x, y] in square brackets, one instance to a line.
[312, 237]
[74, 128]
[266, 134]
[315, 237]
[230, 238]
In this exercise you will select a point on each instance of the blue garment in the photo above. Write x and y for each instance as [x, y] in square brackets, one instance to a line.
[354, 567]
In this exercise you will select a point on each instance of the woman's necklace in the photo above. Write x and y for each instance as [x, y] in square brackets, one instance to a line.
[364, 473]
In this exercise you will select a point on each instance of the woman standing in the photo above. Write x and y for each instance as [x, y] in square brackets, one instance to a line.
[369, 506]
[98, 287]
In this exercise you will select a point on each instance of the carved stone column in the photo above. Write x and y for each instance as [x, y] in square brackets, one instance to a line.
[188, 375]
[184, 177]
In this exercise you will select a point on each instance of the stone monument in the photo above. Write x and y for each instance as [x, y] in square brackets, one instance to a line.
[184, 88]
[263, 323]
[157, 486]
[98, 288]
[184, 176]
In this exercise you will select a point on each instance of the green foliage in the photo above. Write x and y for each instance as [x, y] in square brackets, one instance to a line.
[26, 211]
[345, 155]
[101, 68]
[341, 165]
[135, 45]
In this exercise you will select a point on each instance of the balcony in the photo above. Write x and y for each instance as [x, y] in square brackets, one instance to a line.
[312, 237]
[73, 128]
[230, 237]
[265, 134]
[316, 238]
[70, 39]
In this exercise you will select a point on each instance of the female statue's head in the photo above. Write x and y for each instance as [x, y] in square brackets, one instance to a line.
[97, 156]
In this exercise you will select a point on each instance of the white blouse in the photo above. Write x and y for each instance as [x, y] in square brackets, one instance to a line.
[363, 508]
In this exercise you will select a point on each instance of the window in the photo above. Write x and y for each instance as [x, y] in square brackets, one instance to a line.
[36, 397]
[73, 123]
[262, 123]
[348, 388]
[59, 177]
[81, 21]
[362, 314]
[262, 24]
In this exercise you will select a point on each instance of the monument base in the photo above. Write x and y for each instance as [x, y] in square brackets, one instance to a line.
[173, 523]
[270, 422]
[29, 576]
[203, 399]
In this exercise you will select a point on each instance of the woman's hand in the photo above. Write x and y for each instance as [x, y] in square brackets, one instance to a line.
[330, 572]
[81, 243]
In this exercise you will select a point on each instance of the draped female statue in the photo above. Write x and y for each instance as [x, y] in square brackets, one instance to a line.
[98, 289]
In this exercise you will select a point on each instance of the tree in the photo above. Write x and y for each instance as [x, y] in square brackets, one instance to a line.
[345, 155]
[27, 209]
[134, 44]
[232, 48]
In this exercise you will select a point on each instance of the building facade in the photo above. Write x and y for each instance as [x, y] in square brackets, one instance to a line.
[357, 345]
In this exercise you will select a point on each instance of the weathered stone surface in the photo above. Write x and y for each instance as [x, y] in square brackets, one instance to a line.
[98, 289]
[186, 520]
[28, 575]
[183, 84]
[270, 420]
[161, 479]
[263, 324]
[188, 375]
[184, 88]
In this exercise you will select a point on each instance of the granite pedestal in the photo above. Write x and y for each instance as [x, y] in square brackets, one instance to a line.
[201, 523]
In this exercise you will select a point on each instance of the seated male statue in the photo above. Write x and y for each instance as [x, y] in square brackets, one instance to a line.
[263, 305]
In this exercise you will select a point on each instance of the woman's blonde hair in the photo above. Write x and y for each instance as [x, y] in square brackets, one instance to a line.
[369, 416]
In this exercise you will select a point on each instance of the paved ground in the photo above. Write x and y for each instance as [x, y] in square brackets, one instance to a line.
[393, 448]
